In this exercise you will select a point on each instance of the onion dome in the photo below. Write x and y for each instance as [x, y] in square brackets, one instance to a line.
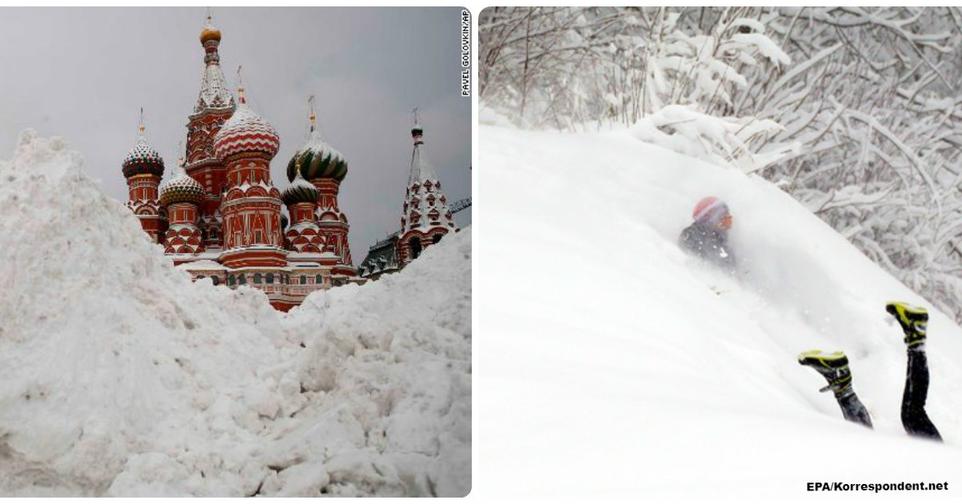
[143, 159]
[209, 32]
[246, 131]
[317, 159]
[300, 191]
[182, 188]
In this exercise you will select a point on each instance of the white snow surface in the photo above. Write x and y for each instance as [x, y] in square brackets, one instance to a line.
[121, 377]
[638, 371]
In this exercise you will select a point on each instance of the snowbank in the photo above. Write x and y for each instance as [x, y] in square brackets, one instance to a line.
[673, 380]
[119, 376]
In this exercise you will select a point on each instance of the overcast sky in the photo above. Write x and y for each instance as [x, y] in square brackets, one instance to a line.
[83, 74]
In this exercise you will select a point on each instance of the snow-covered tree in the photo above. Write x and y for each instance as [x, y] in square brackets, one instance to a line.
[853, 110]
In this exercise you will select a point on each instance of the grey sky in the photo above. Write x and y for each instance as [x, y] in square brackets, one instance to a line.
[83, 74]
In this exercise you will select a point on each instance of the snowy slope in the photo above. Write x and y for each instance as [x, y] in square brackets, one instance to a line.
[639, 372]
[119, 376]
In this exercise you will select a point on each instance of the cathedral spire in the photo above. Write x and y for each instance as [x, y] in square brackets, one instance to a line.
[421, 169]
[417, 131]
[425, 216]
[214, 93]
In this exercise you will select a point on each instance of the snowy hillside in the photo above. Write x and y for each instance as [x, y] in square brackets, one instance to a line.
[119, 376]
[638, 371]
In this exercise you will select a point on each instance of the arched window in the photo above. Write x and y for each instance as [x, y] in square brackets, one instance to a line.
[242, 279]
[199, 277]
[415, 245]
[270, 278]
[318, 280]
[257, 278]
[303, 279]
[230, 279]
[216, 280]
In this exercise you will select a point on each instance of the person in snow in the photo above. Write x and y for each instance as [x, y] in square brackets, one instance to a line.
[834, 367]
[707, 237]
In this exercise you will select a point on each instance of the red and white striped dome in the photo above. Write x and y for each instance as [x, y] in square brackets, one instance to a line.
[246, 131]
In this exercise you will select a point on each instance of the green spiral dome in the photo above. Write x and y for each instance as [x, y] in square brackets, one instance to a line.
[318, 160]
[300, 191]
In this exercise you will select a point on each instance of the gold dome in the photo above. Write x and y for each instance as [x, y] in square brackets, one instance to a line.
[209, 33]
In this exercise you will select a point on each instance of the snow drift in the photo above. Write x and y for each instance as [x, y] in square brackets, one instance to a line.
[120, 376]
[672, 379]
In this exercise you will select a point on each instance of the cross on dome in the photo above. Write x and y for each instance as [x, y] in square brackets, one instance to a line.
[316, 159]
[241, 97]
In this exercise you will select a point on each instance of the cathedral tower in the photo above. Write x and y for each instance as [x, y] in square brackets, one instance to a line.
[181, 195]
[251, 206]
[303, 235]
[425, 217]
[143, 167]
[215, 105]
[325, 167]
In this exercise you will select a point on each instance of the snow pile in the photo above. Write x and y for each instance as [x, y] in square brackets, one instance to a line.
[121, 377]
[672, 379]
[392, 358]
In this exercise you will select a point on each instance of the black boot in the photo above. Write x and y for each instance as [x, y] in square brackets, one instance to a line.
[913, 319]
[834, 368]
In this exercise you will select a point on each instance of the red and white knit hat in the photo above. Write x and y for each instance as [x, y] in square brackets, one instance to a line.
[710, 209]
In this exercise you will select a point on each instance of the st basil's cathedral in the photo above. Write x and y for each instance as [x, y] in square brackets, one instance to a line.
[219, 215]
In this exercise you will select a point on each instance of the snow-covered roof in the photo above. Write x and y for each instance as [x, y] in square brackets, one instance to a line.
[424, 194]
[203, 264]
[300, 226]
[142, 151]
[421, 168]
[143, 158]
[317, 159]
[214, 92]
[246, 131]
[300, 191]
[315, 143]
[244, 186]
[181, 188]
